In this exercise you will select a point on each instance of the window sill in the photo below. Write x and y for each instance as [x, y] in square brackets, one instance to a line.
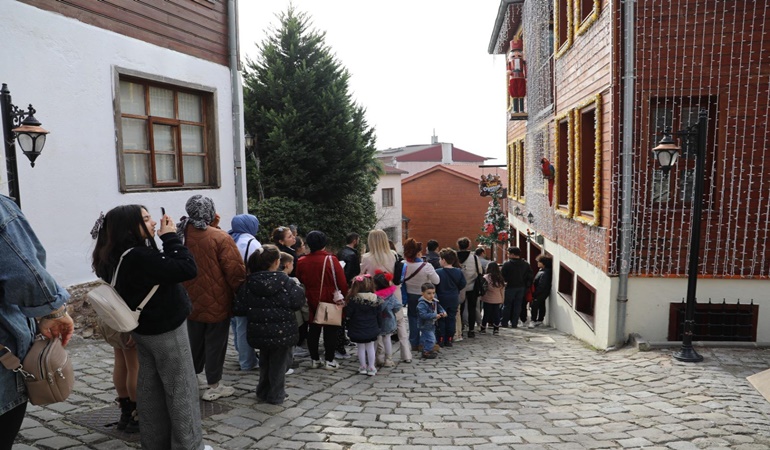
[589, 320]
[566, 297]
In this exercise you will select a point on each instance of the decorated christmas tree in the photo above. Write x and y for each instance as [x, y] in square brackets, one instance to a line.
[495, 229]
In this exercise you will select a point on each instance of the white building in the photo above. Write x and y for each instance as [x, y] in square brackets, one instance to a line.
[387, 198]
[139, 109]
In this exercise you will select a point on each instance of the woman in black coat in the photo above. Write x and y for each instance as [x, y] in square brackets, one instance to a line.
[542, 286]
[268, 299]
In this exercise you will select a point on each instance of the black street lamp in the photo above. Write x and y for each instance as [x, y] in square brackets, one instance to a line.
[24, 127]
[667, 154]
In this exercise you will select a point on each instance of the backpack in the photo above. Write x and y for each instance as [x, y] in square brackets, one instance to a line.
[483, 286]
[110, 306]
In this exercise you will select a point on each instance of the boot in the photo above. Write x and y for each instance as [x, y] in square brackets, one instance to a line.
[125, 412]
[441, 342]
[448, 342]
[133, 423]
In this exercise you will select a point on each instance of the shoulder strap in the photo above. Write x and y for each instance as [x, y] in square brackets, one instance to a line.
[333, 274]
[478, 266]
[246, 253]
[415, 272]
[115, 279]
[323, 272]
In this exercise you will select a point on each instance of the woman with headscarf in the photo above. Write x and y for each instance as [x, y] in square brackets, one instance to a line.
[319, 271]
[220, 273]
[244, 229]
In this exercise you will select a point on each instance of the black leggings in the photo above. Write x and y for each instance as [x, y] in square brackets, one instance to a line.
[330, 341]
[10, 424]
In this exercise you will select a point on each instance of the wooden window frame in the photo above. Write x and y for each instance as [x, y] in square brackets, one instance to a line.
[209, 121]
[516, 171]
[583, 22]
[562, 11]
[564, 180]
[566, 283]
[511, 176]
[391, 195]
[675, 179]
[590, 215]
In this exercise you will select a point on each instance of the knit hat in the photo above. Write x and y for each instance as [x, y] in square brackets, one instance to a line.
[316, 240]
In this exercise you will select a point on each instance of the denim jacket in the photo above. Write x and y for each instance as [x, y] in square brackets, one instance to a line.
[27, 291]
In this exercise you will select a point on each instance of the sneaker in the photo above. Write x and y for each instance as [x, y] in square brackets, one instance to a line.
[315, 364]
[429, 355]
[459, 338]
[331, 365]
[371, 371]
[290, 371]
[300, 352]
[537, 324]
[531, 324]
[208, 447]
[408, 361]
[338, 355]
[483, 330]
[362, 370]
[448, 343]
[471, 334]
[215, 393]
[496, 331]
[389, 363]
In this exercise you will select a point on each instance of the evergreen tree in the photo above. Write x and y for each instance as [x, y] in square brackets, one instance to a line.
[313, 141]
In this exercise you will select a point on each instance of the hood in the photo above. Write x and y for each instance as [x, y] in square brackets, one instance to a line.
[462, 255]
[366, 298]
[387, 292]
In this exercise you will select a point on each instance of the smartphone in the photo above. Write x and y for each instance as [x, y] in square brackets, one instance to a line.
[162, 211]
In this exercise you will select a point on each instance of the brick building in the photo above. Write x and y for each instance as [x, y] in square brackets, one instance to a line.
[604, 79]
[443, 203]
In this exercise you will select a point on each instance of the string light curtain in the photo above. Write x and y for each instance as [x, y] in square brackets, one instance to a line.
[712, 55]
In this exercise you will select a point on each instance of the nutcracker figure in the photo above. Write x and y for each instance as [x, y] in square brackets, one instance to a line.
[517, 78]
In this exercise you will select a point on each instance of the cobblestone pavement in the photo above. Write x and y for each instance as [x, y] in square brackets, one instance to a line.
[524, 389]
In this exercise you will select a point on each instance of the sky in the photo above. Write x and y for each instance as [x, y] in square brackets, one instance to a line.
[415, 65]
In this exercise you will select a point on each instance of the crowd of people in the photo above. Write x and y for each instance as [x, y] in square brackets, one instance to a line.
[277, 299]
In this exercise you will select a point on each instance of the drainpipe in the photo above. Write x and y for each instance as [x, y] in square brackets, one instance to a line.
[626, 230]
[236, 94]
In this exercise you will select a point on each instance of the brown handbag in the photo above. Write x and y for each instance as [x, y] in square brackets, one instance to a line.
[47, 370]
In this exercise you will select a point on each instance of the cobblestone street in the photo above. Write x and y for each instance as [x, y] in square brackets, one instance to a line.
[524, 389]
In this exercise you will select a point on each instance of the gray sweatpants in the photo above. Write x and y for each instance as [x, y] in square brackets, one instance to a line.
[208, 344]
[167, 392]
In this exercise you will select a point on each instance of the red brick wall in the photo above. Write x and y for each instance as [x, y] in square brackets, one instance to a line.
[443, 207]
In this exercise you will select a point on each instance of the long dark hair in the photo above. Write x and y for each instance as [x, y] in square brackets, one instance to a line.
[493, 269]
[118, 233]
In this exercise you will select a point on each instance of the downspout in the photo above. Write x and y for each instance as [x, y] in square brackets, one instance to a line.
[626, 230]
[236, 95]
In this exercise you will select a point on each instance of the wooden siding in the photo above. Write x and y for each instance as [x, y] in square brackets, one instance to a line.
[196, 28]
[718, 51]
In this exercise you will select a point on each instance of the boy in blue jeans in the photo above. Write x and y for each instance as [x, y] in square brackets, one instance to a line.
[429, 310]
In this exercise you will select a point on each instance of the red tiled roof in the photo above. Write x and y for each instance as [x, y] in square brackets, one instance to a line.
[429, 153]
[469, 172]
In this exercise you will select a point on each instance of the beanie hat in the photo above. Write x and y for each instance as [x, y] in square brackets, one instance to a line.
[316, 240]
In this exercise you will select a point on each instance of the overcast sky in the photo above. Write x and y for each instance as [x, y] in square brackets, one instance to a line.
[415, 65]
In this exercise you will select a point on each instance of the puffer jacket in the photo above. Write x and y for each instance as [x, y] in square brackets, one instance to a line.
[268, 300]
[220, 273]
[363, 313]
[390, 306]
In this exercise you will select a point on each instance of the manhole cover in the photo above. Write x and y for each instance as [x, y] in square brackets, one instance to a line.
[105, 420]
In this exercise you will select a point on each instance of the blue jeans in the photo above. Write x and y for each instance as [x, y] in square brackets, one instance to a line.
[247, 358]
[514, 297]
[446, 326]
[427, 339]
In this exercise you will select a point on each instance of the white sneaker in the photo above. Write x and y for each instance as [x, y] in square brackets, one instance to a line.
[300, 352]
[290, 371]
[531, 324]
[331, 365]
[315, 364]
[208, 447]
[371, 371]
[215, 393]
[537, 324]
[362, 370]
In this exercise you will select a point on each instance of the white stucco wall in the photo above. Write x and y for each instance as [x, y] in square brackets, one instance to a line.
[65, 69]
[391, 216]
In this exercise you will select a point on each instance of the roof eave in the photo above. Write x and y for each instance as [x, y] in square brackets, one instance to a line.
[499, 23]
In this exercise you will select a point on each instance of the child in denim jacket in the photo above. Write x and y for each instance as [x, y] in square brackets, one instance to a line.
[429, 310]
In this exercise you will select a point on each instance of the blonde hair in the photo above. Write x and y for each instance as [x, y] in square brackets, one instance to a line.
[379, 250]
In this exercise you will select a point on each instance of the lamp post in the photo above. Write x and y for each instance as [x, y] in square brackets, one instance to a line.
[27, 131]
[251, 146]
[667, 154]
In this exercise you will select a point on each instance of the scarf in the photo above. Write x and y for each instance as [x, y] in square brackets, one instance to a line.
[200, 212]
[244, 224]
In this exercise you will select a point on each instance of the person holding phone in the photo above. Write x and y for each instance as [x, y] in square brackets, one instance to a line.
[167, 392]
